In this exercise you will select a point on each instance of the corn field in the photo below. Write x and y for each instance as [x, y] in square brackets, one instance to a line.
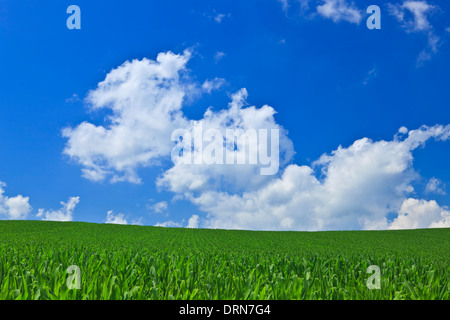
[137, 262]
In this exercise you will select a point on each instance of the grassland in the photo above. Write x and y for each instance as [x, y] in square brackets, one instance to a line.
[135, 262]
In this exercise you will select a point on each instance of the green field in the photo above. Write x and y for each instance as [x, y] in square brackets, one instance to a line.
[135, 262]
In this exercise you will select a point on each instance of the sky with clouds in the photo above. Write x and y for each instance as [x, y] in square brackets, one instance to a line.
[363, 115]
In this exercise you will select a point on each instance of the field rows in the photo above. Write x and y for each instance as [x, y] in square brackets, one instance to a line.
[133, 262]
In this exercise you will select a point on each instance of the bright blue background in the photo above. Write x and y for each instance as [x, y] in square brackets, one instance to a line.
[314, 80]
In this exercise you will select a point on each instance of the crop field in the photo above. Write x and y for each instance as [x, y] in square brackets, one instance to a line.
[136, 262]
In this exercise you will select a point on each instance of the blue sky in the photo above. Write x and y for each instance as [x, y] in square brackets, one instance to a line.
[329, 79]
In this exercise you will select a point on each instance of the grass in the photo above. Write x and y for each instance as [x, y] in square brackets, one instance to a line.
[135, 262]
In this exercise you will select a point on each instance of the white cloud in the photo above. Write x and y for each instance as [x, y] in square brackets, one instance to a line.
[168, 224]
[217, 17]
[160, 207]
[303, 5]
[221, 16]
[358, 187]
[403, 130]
[436, 186]
[351, 188]
[427, 53]
[187, 178]
[340, 10]
[193, 222]
[138, 222]
[415, 214]
[13, 208]
[145, 98]
[214, 84]
[284, 4]
[219, 55]
[63, 214]
[413, 14]
[118, 218]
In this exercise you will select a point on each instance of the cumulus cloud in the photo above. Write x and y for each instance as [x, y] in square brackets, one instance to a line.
[340, 10]
[351, 188]
[403, 130]
[187, 178]
[169, 224]
[63, 214]
[416, 214]
[193, 222]
[159, 207]
[13, 208]
[118, 218]
[144, 98]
